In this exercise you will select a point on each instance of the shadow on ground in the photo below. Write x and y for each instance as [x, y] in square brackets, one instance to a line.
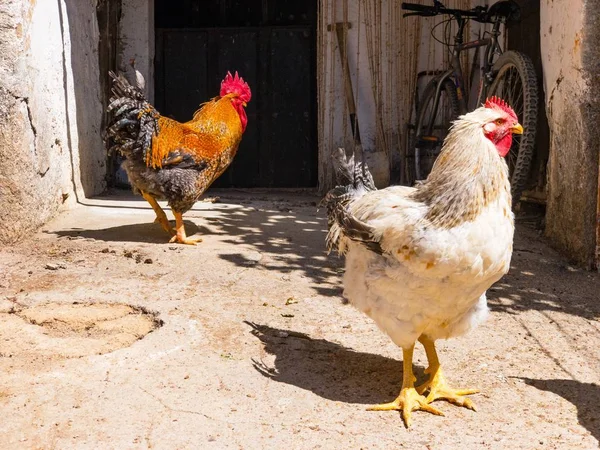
[584, 396]
[330, 370]
[293, 240]
[138, 232]
[523, 288]
[288, 229]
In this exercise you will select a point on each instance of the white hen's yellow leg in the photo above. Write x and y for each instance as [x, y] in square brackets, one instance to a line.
[436, 385]
[409, 399]
[180, 235]
[161, 217]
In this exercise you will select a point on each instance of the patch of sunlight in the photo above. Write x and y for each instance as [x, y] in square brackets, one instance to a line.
[251, 229]
[279, 217]
[525, 272]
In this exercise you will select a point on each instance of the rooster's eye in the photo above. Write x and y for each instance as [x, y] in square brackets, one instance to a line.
[499, 121]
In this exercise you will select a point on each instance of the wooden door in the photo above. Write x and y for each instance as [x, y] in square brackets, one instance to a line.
[274, 50]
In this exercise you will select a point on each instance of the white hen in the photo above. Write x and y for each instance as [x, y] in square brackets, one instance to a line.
[419, 260]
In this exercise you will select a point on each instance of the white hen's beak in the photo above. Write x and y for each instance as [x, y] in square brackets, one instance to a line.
[516, 129]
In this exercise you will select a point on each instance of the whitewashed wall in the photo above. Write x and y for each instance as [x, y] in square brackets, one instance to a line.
[50, 111]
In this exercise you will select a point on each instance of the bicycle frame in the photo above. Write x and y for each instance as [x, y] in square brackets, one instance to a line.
[455, 71]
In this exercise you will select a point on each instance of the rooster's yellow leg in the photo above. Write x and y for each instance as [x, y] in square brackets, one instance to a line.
[180, 235]
[436, 385]
[409, 399]
[161, 217]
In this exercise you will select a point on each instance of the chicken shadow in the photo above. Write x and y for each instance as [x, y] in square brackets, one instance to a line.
[283, 226]
[330, 370]
[287, 229]
[140, 232]
[584, 396]
[539, 279]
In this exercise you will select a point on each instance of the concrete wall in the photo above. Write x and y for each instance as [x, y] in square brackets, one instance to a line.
[570, 59]
[50, 146]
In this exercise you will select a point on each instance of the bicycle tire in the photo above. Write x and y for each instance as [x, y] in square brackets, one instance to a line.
[507, 64]
[422, 168]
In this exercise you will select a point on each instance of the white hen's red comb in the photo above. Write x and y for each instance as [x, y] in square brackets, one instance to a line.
[497, 102]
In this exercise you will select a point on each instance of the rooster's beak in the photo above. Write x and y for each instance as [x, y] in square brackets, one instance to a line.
[244, 104]
[516, 129]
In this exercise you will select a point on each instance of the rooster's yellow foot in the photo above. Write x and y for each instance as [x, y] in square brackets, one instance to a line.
[439, 390]
[408, 401]
[164, 223]
[180, 235]
[183, 239]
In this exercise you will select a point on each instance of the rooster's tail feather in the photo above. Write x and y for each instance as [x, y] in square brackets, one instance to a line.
[134, 120]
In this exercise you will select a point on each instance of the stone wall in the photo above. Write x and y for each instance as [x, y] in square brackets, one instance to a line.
[570, 58]
[51, 152]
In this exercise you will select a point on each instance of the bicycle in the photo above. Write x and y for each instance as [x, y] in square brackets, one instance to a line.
[509, 75]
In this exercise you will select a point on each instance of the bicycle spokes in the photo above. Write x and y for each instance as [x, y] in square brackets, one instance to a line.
[509, 87]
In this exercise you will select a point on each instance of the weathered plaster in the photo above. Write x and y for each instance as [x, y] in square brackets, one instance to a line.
[50, 146]
[136, 37]
[569, 53]
[83, 94]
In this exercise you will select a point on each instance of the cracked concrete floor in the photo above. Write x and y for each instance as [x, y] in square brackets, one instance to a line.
[256, 349]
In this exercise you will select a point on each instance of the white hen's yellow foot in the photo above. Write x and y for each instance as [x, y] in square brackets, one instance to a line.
[408, 401]
[437, 389]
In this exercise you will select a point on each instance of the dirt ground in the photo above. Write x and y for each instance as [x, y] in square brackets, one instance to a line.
[112, 338]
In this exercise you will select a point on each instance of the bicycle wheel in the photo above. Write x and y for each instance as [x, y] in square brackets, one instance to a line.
[431, 131]
[516, 83]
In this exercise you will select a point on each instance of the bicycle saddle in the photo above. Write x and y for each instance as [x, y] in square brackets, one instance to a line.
[505, 8]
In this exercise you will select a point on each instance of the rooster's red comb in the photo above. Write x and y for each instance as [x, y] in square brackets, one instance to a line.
[235, 84]
[497, 102]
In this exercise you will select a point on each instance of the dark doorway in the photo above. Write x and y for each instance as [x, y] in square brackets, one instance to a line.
[272, 44]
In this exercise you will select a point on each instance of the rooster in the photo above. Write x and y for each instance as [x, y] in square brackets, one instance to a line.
[166, 159]
[420, 259]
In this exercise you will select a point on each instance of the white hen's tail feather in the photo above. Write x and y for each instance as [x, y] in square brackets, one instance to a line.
[348, 172]
[353, 180]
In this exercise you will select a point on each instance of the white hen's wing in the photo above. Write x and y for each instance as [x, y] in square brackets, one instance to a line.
[398, 225]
